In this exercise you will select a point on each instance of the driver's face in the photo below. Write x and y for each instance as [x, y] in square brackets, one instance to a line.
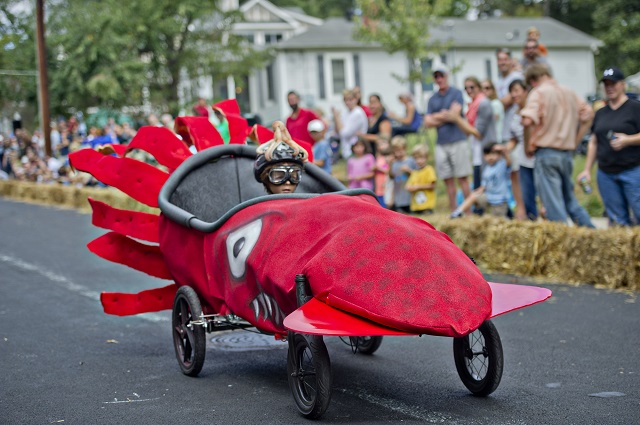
[286, 187]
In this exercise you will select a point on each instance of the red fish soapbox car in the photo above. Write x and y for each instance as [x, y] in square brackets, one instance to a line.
[323, 261]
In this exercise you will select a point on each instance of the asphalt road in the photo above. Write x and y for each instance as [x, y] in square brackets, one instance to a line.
[571, 360]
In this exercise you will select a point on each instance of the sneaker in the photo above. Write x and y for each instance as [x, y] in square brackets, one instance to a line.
[456, 214]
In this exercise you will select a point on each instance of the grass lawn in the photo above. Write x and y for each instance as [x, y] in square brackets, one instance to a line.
[592, 203]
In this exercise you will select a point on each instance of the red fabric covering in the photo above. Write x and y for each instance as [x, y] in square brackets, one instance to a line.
[238, 129]
[138, 225]
[238, 126]
[139, 180]
[229, 106]
[395, 270]
[262, 134]
[160, 142]
[123, 250]
[198, 131]
[148, 301]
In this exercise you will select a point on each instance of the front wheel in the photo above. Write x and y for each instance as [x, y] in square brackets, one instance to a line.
[188, 339]
[309, 371]
[479, 360]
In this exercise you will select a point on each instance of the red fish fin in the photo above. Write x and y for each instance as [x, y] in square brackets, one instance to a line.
[227, 107]
[198, 131]
[260, 134]
[506, 297]
[135, 224]
[123, 250]
[121, 304]
[160, 142]
[139, 180]
[110, 149]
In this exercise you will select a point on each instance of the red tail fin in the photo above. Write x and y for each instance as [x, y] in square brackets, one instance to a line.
[123, 250]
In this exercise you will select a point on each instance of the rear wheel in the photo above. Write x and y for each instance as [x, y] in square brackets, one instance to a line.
[188, 340]
[309, 371]
[479, 360]
[366, 344]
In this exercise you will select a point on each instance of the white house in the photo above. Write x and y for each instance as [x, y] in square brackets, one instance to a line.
[319, 58]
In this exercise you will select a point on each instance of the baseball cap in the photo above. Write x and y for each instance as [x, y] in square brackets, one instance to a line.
[441, 69]
[612, 74]
[315, 125]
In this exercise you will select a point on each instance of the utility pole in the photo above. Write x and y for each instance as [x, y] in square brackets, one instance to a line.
[45, 120]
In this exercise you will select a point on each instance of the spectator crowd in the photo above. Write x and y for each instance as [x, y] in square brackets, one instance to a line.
[503, 147]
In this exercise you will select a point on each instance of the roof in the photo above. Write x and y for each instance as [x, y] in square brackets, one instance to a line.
[491, 33]
[289, 15]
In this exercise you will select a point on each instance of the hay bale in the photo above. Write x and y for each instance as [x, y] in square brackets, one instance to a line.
[608, 257]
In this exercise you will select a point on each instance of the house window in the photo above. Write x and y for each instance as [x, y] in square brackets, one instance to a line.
[322, 92]
[270, 83]
[248, 37]
[272, 38]
[487, 64]
[338, 75]
[356, 68]
[427, 77]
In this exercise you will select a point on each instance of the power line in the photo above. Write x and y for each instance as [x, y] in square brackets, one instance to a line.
[15, 72]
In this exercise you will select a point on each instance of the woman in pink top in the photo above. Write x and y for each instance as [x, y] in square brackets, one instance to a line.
[360, 167]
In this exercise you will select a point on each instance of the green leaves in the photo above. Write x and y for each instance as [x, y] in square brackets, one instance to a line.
[402, 26]
[103, 53]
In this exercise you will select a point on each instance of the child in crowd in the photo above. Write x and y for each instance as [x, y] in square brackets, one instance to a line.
[381, 169]
[400, 171]
[321, 149]
[422, 183]
[360, 166]
[493, 192]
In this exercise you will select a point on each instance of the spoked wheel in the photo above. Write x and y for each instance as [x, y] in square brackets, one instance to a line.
[188, 340]
[309, 371]
[479, 359]
[366, 344]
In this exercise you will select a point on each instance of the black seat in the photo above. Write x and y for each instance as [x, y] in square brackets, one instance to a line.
[211, 183]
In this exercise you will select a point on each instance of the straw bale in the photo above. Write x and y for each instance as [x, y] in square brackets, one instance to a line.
[603, 257]
[607, 257]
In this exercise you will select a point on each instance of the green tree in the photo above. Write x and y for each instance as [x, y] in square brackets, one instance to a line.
[105, 54]
[617, 24]
[18, 83]
[403, 26]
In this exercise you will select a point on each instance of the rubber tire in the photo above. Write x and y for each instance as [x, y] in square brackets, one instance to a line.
[190, 344]
[492, 352]
[308, 352]
[367, 344]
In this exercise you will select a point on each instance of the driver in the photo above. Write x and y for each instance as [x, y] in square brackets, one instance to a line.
[280, 162]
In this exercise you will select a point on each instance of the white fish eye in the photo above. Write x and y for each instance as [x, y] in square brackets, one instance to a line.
[239, 245]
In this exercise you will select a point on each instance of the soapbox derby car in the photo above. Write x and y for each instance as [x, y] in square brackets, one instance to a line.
[324, 261]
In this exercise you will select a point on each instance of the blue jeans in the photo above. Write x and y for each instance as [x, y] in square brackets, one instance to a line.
[619, 192]
[554, 182]
[528, 189]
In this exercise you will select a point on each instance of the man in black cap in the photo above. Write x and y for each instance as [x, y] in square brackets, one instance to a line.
[615, 142]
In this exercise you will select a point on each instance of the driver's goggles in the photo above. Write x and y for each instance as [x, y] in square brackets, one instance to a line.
[279, 175]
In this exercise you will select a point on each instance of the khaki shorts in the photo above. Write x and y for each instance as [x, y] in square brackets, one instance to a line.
[453, 160]
[499, 210]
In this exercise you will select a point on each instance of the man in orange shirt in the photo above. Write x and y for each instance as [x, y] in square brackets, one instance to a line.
[554, 120]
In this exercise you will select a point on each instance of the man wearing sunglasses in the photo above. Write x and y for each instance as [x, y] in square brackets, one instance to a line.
[279, 163]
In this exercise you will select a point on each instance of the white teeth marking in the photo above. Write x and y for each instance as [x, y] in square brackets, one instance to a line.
[256, 308]
[269, 301]
[264, 307]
